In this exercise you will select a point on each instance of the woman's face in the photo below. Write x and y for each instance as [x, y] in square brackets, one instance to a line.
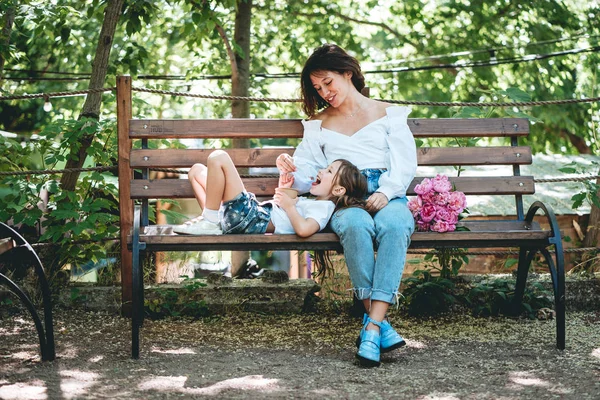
[331, 86]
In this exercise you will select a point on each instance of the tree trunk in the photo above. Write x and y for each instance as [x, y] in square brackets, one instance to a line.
[9, 19]
[240, 84]
[93, 101]
[592, 235]
[577, 141]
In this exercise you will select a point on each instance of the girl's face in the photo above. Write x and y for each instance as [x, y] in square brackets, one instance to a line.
[324, 185]
[331, 86]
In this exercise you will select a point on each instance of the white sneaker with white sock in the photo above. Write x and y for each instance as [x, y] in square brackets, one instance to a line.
[199, 226]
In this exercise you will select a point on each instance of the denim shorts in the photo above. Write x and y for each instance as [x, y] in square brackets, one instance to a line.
[245, 214]
[372, 175]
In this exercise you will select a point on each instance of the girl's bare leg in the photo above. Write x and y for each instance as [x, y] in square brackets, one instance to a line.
[197, 176]
[223, 182]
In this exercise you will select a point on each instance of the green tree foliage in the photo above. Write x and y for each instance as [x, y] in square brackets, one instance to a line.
[179, 38]
[442, 50]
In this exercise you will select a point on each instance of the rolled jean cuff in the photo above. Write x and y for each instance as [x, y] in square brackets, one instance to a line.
[362, 293]
[382, 295]
[376, 294]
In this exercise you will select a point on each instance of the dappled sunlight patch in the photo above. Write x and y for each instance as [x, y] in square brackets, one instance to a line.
[596, 353]
[25, 355]
[523, 378]
[16, 330]
[177, 383]
[439, 396]
[183, 350]
[324, 393]
[76, 383]
[96, 359]
[69, 351]
[33, 390]
[164, 383]
[415, 344]
[20, 326]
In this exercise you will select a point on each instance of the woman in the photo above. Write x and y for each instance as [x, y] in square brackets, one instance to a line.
[375, 137]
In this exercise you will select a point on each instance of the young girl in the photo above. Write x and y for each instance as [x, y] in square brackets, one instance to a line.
[229, 208]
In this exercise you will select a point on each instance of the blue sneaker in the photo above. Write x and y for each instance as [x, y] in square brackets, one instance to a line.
[390, 339]
[368, 350]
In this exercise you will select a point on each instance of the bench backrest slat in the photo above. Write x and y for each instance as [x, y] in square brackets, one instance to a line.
[265, 186]
[181, 158]
[265, 157]
[292, 128]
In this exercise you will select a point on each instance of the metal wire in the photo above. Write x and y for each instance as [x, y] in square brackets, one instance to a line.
[408, 102]
[284, 100]
[57, 94]
[182, 172]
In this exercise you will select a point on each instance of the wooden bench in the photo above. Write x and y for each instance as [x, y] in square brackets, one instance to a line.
[136, 237]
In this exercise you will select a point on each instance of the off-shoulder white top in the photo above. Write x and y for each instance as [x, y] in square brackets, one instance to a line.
[384, 143]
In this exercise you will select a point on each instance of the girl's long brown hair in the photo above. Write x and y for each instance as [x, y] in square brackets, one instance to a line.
[349, 177]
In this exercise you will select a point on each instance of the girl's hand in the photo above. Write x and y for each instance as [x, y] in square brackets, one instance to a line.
[286, 179]
[285, 163]
[376, 202]
[284, 201]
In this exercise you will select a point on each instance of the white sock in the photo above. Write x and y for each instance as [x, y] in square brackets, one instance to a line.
[211, 215]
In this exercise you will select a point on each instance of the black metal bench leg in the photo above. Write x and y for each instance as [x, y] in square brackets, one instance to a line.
[558, 283]
[556, 271]
[47, 302]
[34, 315]
[525, 258]
[137, 292]
[48, 350]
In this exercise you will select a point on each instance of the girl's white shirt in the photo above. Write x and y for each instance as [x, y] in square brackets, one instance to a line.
[384, 143]
[319, 210]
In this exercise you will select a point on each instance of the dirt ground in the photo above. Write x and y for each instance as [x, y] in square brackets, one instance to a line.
[301, 357]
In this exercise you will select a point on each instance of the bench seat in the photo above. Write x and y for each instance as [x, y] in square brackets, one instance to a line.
[480, 234]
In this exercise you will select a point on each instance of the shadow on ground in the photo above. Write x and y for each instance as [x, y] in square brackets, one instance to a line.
[303, 357]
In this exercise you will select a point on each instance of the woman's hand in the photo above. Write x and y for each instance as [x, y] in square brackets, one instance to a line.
[376, 202]
[285, 163]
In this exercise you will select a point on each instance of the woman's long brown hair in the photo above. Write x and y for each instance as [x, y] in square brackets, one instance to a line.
[328, 57]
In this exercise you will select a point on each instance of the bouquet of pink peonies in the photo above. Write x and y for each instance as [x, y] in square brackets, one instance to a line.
[437, 206]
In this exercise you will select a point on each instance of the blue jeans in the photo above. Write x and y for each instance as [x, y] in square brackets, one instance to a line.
[387, 233]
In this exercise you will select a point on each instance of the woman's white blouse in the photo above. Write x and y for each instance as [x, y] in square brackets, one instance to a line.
[384, 143]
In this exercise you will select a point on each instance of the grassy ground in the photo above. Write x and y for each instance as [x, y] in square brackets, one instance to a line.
[251, 356]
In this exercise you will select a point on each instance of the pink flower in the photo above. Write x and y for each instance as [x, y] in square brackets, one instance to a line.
[457, 201]
[428, 197]
[442, 214]
[415, 205]
[452, 218]
[440, 226]
[423, 226]
[441, 184]
[436, 208]
[427, 212]
[424, 187]
[441, 199]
